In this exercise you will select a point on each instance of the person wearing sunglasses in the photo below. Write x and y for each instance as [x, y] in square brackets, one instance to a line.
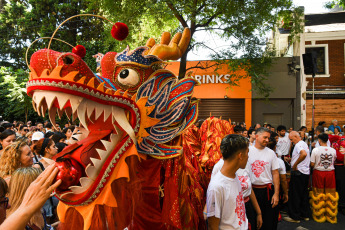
[14, 156]
[4, 205]
[23, 130]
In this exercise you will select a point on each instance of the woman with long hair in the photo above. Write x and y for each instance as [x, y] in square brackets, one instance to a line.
[20, 182]
[14, 156]
[7, 137]
[45, 149]
[3, 200]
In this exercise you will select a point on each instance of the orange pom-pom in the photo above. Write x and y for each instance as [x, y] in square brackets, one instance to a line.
[79, 50]
[119, 31]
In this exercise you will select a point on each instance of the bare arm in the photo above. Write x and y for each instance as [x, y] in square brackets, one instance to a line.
[302, 156]
[257, 209]
[275, 198]
[36, 195]
[283, 182]
[312, 164]
[213, 223]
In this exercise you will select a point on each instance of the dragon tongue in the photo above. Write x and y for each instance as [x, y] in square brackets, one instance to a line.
[70, 151]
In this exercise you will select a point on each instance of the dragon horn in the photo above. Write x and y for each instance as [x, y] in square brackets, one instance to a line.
[170, 49]
[78, 15]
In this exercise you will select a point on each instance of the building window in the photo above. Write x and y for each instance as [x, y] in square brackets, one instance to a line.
[321, 51]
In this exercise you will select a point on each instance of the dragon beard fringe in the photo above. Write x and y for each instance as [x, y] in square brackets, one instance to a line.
[324, 207]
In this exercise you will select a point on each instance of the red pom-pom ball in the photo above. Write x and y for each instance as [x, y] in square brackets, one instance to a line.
[69, 173]
[79, 50]
[119, 31]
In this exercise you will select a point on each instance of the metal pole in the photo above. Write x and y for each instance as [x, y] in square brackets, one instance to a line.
[313, 109]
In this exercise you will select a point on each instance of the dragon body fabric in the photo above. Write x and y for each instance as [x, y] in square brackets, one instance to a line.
[127, 169]
[203, 144]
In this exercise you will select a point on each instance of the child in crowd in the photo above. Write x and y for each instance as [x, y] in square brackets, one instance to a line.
[225, 203]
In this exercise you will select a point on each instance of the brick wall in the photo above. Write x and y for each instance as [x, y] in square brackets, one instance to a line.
[326, 110]
[336, 65]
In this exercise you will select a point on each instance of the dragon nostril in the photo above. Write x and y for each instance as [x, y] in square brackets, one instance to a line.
[67, 60]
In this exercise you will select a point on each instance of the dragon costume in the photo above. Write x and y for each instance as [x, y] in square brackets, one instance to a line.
[127, 169]
[203, 144]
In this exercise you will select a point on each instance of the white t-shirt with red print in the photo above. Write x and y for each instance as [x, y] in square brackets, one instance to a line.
[242, 174]
[303, 166]
[324, 158]
[225, 201]
[260, 164]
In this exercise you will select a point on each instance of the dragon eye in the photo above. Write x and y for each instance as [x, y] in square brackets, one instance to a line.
[128, 77]
[124, 73]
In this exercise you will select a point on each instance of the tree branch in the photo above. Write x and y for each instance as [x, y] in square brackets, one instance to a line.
[202, 67]
[208, 21]
[200, 7]
[177, 14]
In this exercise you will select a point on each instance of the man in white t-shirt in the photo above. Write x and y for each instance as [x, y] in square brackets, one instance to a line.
[322, 161]
[298, 188]
[284, 143]
[225, 203]
[263, 167]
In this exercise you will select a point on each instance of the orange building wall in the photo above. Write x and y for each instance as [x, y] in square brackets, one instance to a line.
[218, 90]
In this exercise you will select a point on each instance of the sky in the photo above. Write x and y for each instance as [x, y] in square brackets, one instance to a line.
[310, 7]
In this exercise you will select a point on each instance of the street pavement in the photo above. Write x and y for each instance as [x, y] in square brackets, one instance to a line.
[313, 225]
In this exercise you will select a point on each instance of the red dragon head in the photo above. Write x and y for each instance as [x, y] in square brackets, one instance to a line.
[134, 106]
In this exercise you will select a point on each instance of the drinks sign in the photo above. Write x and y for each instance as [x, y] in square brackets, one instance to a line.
[212, 79]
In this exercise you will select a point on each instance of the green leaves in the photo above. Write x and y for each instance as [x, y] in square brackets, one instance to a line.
[14, 102]
[334, 3]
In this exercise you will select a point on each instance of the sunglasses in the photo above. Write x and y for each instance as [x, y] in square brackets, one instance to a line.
[26, 130]
[5, 201]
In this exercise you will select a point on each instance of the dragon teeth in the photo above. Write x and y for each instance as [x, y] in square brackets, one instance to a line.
[107, 145]
[43, 107]
[97, 163]
[75, 102]
[50, 101]
[34, 105]
[120, 117]
[52, 113]
[90, 108]
[91, 171]
[85, 182]
[107, 111]
[98, 112]
[68, 112]
[38, 97]
[62, 99]
[81, 113]
[81, 108]
[103, 154]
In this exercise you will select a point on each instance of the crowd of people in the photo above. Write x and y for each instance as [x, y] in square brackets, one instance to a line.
[26, 151]
[266, 172]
